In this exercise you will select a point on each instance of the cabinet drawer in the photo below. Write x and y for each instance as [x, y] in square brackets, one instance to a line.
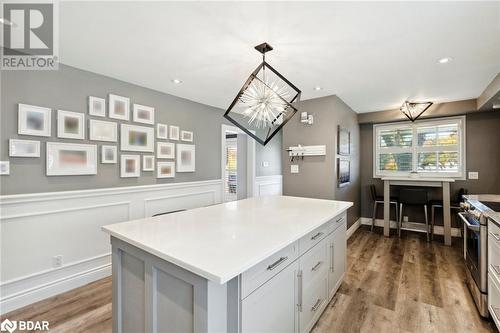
[336, 222]
[494, 232]
[312, 238]
[314, 263]
[494, 253]
[494, 299]
[266, 269]
[314, 300]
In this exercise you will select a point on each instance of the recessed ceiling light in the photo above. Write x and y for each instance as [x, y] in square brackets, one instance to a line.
[318, 88]
[176, 81]
[444, 60]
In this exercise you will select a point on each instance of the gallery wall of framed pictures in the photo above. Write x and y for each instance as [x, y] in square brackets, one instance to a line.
[113, 131]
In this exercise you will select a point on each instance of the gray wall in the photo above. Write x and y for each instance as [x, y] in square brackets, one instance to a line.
[317, 176]
[270, 153]
[68, 89]
[482, 155]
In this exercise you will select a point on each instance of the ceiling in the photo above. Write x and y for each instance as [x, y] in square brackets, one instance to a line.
[373, 55]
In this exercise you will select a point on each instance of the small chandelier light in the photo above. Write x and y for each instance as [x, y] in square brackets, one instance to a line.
[264, 103]
[413, 110]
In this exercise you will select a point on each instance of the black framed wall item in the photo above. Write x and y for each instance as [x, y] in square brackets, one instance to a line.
[343, 171]
[343, 141]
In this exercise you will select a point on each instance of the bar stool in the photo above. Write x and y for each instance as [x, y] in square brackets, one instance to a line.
[378, 199]
[413, 197]
[454, 204]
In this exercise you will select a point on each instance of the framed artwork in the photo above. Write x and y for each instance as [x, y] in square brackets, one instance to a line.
[165, 150]
[24, 148]
[130, 166]
[343, 141]
[64, 159]
[70, 125]
[101, 130]
[187, 136]
[33, 120]
[165, 170]
[108, 154]
[119, 107]
[162, 131]
[136, 138]
[143, 114]
[343, 171]
[4, 168]
[97, 106]
[185, 158]
[148, 163]
[174, 132]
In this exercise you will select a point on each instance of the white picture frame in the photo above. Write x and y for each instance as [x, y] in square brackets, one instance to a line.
[69, 159]
[4, 168]
[97, 106]
[173, 132]
[24, 148]
[148, 163]
[130, 166]
[165, 150]
[162, 131]
[100, 130]
[136, 138]
[186, 158]
[33, 120]
[187, 136]
[109, 154]
[70, 125]
[143, 114]
[165, 169]
[119, 107]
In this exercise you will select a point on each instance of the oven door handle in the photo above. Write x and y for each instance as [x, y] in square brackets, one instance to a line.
[467, 223]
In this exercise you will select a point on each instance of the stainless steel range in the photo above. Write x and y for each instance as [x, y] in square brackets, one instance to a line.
[475, 218]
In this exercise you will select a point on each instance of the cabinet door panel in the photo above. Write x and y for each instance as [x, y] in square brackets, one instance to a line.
[337, 254]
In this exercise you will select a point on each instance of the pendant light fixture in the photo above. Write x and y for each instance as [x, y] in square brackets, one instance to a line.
[265, 102]
[413, 110]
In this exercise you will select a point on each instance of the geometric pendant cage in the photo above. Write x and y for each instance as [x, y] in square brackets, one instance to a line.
[413, 110]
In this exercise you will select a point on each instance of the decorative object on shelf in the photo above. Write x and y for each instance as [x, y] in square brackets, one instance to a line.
[4, 168]
[306, 118]
[174, 132]
[301, 151]
[343, 141]
[144, 114]
[97, 106]
[119, 107]
[64, 159]
[136, 138]
[264, 103]
[343, 171]
[24, 148]
[413, 110]
[108, 154]
[130, 166]
[148, 163]
[165, 150]
[101, 130]
[165, 170]
[33, 120]
[185, 158]
[187, 136]
[70, 125]
[162, 131]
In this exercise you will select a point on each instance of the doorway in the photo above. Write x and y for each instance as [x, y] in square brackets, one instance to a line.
[237, 165]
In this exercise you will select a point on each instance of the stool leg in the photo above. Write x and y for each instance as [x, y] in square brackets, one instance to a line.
[400, 222]
[397, 218]
[374, 214]
[426, 222]
[432, 221]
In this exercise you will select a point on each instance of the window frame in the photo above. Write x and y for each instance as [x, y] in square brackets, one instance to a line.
[414, 149]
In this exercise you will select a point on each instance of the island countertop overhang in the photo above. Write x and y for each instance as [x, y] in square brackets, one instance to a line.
[222, 241]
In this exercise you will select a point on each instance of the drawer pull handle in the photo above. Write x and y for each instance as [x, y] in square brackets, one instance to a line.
[317, 266]
[332, 257]
[496, 268]
[316, 305]
[340, 219]
[496, 236]
[319, 234]
[299, 286]
[277, 263]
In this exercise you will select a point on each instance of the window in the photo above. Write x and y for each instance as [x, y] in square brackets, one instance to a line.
[433, 148]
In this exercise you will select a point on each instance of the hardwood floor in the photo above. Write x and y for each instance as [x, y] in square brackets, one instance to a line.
[391, 284]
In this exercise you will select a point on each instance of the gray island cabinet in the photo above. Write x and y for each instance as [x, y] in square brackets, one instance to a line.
[268, 264]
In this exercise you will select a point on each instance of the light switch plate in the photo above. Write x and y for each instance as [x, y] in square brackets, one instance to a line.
[473, 175]
[265, 164]
[294, 168]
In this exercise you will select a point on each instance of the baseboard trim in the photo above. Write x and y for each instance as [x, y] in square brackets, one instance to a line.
[352, 229]
[438, 229]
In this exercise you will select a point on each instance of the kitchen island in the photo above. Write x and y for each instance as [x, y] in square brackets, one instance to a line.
[267, 264]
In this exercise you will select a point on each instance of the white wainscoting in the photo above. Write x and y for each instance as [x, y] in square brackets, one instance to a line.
[37, 227]
[268, 185]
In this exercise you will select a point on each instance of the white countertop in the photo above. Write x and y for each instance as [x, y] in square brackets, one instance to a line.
[222, 241]
[420, 179]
